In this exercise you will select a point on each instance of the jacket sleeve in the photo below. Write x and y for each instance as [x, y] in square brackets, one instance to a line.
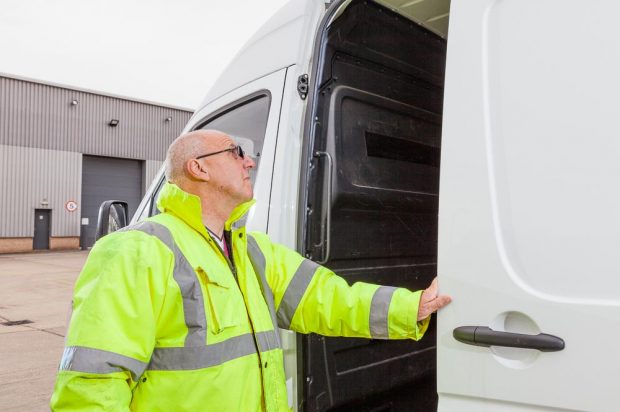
[111, 333]
[311, 298]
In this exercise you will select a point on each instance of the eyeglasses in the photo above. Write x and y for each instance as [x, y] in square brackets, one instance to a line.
[236, 151]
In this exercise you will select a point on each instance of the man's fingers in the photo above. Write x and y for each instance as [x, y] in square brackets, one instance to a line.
[432, 289]
[432, 306]
[431, 301]
[441, 301]
[430, 292]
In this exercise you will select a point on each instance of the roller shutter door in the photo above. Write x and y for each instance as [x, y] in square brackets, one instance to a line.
[105, 178]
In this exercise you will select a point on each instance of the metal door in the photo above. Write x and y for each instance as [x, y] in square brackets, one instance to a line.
[105, 178]
[41, 238]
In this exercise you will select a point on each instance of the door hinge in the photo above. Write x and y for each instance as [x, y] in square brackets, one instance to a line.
[302, 86]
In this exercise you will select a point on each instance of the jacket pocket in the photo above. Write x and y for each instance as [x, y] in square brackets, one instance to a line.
[220, 303]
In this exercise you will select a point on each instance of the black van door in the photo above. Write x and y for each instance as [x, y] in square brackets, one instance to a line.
[372, 144]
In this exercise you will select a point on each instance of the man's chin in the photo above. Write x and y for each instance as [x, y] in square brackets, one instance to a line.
[248, 196]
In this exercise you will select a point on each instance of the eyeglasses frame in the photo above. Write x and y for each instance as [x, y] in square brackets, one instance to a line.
[236, 150]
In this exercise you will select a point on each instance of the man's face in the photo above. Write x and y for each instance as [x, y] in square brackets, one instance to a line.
[228, 172]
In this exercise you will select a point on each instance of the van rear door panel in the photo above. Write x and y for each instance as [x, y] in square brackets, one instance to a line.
[529, 222]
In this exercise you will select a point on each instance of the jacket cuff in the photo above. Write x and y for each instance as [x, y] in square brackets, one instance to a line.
[403, 315]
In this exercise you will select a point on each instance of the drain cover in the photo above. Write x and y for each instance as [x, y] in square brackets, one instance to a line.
[16, 322]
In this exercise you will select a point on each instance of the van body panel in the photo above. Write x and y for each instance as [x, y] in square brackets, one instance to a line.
[472, 404]
[284, 40]
[284, 200]
[528, 228]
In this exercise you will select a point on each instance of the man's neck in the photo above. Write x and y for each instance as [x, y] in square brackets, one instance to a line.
[217, 228]
[214, 217]
[215, 209]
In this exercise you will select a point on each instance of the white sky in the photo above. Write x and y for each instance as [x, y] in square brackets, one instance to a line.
[165, 51]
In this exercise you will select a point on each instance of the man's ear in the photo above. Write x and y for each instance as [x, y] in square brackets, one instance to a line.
[195, 171]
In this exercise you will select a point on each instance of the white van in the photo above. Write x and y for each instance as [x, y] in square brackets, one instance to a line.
[390, 149]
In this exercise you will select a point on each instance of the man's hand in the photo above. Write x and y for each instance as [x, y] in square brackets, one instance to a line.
[431, 302]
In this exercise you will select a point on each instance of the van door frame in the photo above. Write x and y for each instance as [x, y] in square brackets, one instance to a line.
[272, 85]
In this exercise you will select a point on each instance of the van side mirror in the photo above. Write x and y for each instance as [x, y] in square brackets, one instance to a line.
[112, 217]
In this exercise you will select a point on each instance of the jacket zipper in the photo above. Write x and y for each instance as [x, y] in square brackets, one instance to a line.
[231, 264]
[233, 269]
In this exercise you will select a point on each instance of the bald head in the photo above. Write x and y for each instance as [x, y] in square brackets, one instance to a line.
[184, 148]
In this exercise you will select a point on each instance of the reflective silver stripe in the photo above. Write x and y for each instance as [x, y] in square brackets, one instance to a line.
[184, 275]
[89, 360]
[379, 308]
[191, 358]
[239, 223]
[268, 340]
[257, 258]
[295, 291]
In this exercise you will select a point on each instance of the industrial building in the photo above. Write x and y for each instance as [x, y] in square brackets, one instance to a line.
[64, 150]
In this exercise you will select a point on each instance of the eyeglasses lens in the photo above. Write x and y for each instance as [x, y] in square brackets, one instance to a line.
[239, 152]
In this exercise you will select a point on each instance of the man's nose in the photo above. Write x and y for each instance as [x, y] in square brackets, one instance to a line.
[248, 162]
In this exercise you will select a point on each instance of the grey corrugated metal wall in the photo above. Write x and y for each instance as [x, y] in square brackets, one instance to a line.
[30, 176]
[42, 139]
[39, 115]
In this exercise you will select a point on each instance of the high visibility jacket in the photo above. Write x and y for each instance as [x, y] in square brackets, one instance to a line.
[163, 321]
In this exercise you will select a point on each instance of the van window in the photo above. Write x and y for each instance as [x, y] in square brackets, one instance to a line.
[245, 121]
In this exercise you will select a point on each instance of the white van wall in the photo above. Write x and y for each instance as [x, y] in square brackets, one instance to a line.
[529, 226]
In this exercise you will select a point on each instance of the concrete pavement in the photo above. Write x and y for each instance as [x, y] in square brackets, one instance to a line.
[34, 287]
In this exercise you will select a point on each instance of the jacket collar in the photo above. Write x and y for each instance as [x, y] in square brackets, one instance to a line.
[185, 206]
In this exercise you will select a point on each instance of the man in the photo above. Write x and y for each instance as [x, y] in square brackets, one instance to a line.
[180, 312]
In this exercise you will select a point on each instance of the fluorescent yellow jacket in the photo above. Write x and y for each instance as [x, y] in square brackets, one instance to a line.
[163, 321]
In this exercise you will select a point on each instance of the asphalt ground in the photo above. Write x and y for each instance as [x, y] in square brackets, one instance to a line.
[34, 287]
